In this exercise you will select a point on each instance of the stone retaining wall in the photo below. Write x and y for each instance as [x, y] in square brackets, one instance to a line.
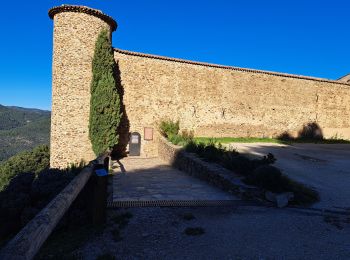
[212, 173]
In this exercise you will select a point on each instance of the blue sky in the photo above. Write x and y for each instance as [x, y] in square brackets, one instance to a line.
[296, 36]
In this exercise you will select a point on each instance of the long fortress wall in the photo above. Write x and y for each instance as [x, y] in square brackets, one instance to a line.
[211, 100]
[220, 101]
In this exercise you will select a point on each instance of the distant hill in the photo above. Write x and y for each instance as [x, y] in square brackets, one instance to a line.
[22, 129]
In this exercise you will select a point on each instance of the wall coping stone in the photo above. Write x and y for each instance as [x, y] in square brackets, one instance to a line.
[212, 65]
[84, 9]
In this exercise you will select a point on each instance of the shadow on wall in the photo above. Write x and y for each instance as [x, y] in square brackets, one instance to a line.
[310, 131]
[119, 150]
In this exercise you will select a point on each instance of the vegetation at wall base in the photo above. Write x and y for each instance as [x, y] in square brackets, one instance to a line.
[226, 140]
[105, 104]
[169, 128]
[258, 172]
[286, 141]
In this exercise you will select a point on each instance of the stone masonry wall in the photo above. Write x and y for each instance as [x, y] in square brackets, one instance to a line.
[211, 100]
[217, 101]
[75, 35]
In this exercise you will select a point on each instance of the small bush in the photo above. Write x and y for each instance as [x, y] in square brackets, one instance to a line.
[303, 195]
[237, 163]
[169, 128]
[176, 139]
[285, 136]
[272, 179]
[193, 147]
[267, 177]
[311, 131]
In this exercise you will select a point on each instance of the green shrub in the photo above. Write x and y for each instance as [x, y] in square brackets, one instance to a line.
[169, 128]
[267, 177]
[237, 163]
[311, 131]
[33, 161]
[303, 195]
[105, 104]
[272, 179]
[194, 147]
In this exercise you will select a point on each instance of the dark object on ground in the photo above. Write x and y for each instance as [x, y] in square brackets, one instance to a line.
[122, 220]
[106, 256]
[196, 231]
[188, 216]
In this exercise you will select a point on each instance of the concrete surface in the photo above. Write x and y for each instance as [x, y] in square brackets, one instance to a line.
[150, 179]
[326, 167]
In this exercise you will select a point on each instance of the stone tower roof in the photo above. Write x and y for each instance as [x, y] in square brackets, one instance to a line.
[83, 9]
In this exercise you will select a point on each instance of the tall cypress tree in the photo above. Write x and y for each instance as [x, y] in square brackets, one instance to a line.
[105, 112]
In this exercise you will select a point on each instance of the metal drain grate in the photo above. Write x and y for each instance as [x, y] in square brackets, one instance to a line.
[172, 203]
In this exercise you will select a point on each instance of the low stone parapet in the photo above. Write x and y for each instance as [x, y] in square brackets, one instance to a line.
[210, 172]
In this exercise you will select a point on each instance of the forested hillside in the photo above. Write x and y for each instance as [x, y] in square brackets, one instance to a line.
[22, 129]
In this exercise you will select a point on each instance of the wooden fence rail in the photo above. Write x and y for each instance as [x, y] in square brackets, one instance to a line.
[29, 240]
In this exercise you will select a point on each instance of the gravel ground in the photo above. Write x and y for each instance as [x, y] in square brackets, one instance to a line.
[240, 233]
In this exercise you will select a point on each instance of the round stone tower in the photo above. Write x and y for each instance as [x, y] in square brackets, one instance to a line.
[76, 29]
